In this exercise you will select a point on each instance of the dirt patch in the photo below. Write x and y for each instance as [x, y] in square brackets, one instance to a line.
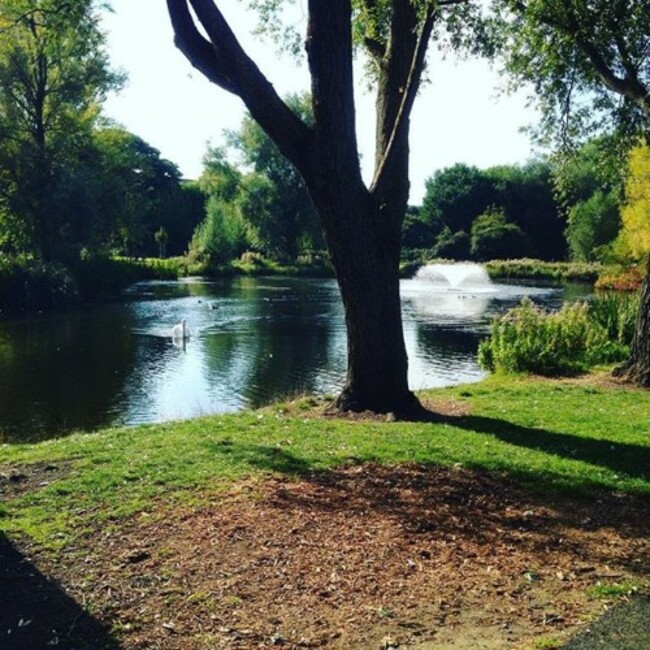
[362, 557]
[18, 479]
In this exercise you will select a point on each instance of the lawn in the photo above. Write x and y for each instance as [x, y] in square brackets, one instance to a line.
[515, 506]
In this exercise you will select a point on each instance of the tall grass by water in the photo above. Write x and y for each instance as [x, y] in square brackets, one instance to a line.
[527, 338]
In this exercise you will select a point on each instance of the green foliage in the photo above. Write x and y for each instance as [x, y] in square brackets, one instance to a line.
[267, 209]
[582, 59]
[29, 284]
[222, 235]
[531, 269]
[493, 237]
[452, 245]
[529, 339]
[455, 196]
[616, 313]
[593, 224]
[53, 76]
[417, 233]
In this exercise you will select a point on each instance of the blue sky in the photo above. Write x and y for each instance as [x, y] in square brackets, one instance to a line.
[458, 117]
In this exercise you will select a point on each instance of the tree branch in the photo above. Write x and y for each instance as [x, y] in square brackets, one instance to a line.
[222, 60]
[408, 97]
[329, 52]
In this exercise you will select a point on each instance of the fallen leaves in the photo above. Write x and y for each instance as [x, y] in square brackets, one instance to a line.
[361, 557]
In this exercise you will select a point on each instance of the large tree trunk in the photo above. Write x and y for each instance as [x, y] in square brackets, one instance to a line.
[362, 226]
[366, 260]
[637, 368]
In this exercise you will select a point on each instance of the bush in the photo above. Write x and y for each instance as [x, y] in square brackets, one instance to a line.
[494, 237]
[616, 313]
[33, 285]
[530, 269]
[453, 246]
[529, 339]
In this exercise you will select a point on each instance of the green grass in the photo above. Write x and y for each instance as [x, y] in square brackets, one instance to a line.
[530, 269]
[551, 435]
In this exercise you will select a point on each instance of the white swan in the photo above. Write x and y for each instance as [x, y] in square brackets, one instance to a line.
[181, 332]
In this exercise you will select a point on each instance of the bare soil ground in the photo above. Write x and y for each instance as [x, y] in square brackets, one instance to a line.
[361, 557]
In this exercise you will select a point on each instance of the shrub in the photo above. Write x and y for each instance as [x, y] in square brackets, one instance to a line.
[494, 237]
[529, 339]
[454, 246]
[616, 313]
[33, 285]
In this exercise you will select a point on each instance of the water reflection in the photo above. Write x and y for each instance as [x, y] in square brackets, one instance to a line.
[253, 341]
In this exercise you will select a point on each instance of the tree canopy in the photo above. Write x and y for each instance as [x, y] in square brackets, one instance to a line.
[588, 60]
[54, 73]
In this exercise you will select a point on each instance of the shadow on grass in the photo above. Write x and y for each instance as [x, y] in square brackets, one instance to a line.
[263, 457]
[632, 460]
[35, 612]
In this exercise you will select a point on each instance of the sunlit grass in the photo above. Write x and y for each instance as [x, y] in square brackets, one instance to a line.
[552, 435]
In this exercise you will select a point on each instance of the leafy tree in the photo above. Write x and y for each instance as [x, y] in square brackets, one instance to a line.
[161, 238]
[494, 237]
[590, 65]
[138, 193]
[361, 225]
[455, 196]
[417, 232]
[222, 235]
[582, 59]
[636, 235]
[274, 199]
[452, 245]
[593, 224]
[53, 76]
[525, 194]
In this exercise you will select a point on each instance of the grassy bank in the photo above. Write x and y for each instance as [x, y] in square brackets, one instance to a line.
[30, 285]
[286, 526]
[529, 269]
[554, 435]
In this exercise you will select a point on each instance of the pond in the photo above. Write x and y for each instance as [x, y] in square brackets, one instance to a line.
[253, 340]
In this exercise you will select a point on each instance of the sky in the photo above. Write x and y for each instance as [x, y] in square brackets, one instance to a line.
[459, 116]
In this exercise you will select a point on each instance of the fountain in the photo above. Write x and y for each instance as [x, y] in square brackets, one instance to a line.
[459, 277]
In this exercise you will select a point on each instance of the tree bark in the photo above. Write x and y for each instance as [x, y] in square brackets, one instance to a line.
[361, 226]
[637, 368]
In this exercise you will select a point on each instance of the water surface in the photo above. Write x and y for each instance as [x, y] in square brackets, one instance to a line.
[253, 340]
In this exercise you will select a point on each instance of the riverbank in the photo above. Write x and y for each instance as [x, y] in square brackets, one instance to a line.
[290, 524]
[30, 285]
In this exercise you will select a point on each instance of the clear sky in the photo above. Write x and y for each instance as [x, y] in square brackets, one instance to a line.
[457, 117]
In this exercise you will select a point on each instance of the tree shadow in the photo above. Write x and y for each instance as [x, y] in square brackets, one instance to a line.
[35, 612]
[626, 458]
[263, 457]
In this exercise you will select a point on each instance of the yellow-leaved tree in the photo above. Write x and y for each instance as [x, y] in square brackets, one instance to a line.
[636, 238]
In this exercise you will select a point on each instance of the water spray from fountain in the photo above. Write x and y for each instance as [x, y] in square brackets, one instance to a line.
[465, 276]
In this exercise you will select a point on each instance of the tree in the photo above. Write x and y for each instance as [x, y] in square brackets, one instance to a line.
[525, 194]
[136, 193]
[222, 235]
[494, 237]
[273, 199]
[636, 235]
[582, 58]
[590, 66]
[455, 196]
[593, 224]
[53, 76]
[361, 225]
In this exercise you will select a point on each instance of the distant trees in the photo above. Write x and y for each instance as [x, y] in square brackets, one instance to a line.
[263, 206]
[516, 204]
[54, 75]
